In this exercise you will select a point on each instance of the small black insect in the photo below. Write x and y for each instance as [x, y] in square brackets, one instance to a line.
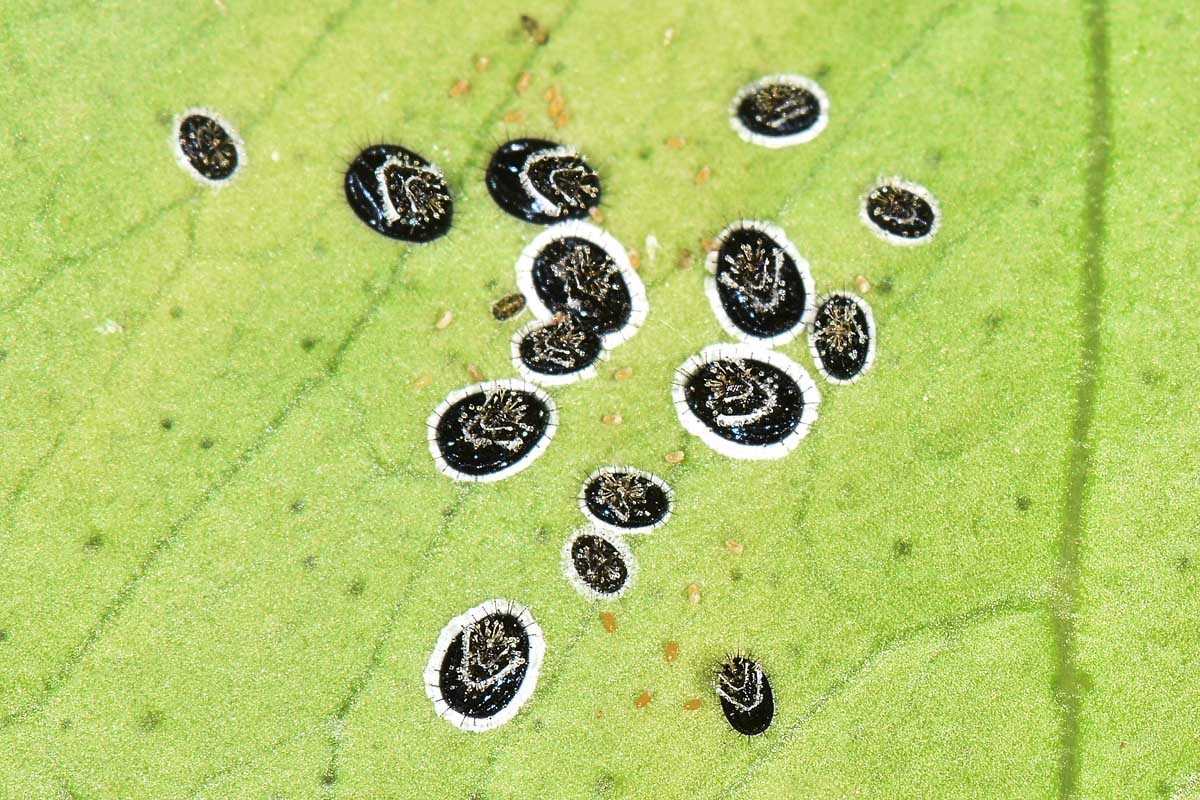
[491, 430]
[508, 306]
[542, 182]
[399, 194]
[206, 146]
[626, 499]
[779, 110]
[578, 268]
[745, 401]
[485, 665]
[745, 694]
[601, 567]
[561, 350]
[900, 212]
[842, 338]
[761, 289]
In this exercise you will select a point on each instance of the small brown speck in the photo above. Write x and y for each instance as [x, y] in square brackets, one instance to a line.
[508, 306]
[562, 119]
[612, 419]
[643, 699]
[523, 81]
[555, 106]
[551, 93]
[444, 320]
[423, 380]
[460, 88]
[599, 713]
[482, 63]
[676, 142]
[623, 374]
[703, 175]
[671, 651]
[609, 621]
[535, 30]
[862, 284]
[635, 260]
[693, 592]
[684, 260]
[693, 705]
[674, 457]
[596, 214]
[514, 116]
[708, 244]
[734, 546]
[474, 372]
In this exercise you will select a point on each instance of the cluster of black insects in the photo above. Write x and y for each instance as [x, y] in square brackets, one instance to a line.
[745, 400]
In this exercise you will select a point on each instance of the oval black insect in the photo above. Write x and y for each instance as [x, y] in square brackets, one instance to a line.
[745, 401]
[399, 194]
[485, 665]
[842, 337]
[491, 430]
[542, 182]
[625, 499]
[900, 212]
[761, 289]
[561, 350]
[599, 566]
[207, 146]
[779, 110]
[745, 695]
[577, 268]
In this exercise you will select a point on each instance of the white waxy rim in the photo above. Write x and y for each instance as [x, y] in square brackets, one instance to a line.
[572, 574]
[543, 442]
[638, 306]
[545, 379]
[775, 234]
[182, 158]
[812, 338]
[545, 204]
[617, 529]
[389, 208]
[433, 670]
[775, 142]
[694, 425]
[920, 191]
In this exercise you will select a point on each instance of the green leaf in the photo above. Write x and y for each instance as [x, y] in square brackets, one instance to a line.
[226, 554]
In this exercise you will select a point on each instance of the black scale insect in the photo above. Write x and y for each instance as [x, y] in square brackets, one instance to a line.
[578, 269]
[561, 350]
[842, 337]
[745, 401]
[207, 146]
[779, 110]
[760, 288]
[399, 194]
[626, 500]
[491, 430]
[745, 693]
[600, 567]
[485, 665]
[900, 212]
[542, 182]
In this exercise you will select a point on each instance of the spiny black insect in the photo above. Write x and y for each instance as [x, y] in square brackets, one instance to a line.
[599, 564]
[903, 212]
[745, 401]
[490, 430]
[560, 347]
[745, 693]
[759, 287]
[399, 194]
[779, 110]
[842, 339]
[576, 275]
[626, 499]
[484, 666]
[541, 181]
[208, 147]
